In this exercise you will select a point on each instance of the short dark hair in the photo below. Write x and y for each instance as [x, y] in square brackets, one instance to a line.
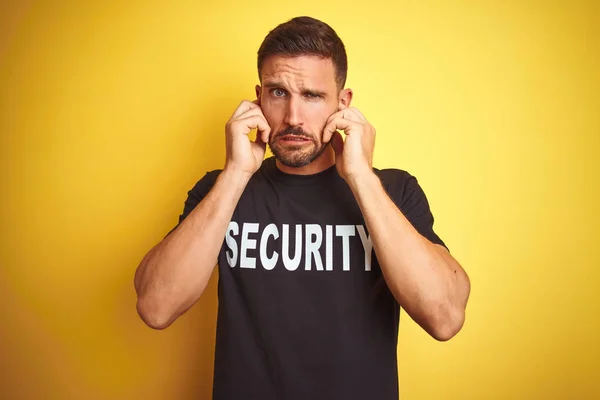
[306, 36]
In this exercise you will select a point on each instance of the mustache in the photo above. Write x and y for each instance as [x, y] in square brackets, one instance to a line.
[293, 130]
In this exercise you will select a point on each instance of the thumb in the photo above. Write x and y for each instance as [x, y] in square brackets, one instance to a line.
[337, 143]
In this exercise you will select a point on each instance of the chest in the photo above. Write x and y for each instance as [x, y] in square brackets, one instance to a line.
[308, 229]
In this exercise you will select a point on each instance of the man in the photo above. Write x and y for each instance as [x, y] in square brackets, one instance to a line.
[316, 249]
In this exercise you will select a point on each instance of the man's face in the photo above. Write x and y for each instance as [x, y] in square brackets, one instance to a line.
[297, 96]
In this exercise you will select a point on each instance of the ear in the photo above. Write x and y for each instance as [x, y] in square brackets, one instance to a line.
[345, 99]
[258, 92]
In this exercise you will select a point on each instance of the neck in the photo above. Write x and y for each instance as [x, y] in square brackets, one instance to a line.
[324, 161]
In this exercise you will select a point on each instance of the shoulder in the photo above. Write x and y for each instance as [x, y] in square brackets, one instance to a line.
[395, 180]
[391, 175]
[408, 195]
[403, 187]
[211, 176]
[204, 184]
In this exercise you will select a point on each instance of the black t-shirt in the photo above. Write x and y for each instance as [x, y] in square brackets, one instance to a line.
[304, 311]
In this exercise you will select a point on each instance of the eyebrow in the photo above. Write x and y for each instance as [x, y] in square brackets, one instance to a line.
[271, 84]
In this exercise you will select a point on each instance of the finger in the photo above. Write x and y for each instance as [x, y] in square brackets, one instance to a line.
[243, 107]
[337, 143]
[260, 142]
[348, 113]
[265, 135]
[327, 132]
[257, 111]
[357, 112]
[335, 124]
[255, 122]
[249, 112]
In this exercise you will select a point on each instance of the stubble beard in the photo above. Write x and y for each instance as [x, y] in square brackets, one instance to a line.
[296, 156]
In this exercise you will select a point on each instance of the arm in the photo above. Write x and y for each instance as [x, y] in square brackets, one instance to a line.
[423, 277]
[174, 274]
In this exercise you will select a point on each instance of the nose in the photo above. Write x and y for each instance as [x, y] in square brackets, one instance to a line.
[292, 115]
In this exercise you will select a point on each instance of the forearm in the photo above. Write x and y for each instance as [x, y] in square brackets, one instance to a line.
[175, 273]
[425, 280]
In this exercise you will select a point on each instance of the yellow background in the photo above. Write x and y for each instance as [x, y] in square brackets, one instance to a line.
[111, 111]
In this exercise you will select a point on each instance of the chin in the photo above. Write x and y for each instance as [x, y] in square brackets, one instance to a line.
[296, 157]
[294, 162]
[292, 158]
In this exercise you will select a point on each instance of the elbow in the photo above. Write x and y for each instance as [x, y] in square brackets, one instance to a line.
[447, 326]
[450, 317]
[442, 322]
[152, 315]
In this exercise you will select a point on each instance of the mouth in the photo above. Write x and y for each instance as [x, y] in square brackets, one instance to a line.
[294, 139]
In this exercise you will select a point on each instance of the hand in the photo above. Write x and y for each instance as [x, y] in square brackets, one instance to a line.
[354, 156]
[242, 154]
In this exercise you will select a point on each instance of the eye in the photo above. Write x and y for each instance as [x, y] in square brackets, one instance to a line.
[312, 96]
[277, 92]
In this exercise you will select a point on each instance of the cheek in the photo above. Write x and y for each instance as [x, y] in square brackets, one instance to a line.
[272, 114]
[319, 120]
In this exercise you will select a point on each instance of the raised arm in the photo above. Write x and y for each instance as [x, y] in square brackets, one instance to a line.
[424, 278]
[173, 274]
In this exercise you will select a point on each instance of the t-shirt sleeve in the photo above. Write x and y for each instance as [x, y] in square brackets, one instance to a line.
[196, 195]
[409, 197]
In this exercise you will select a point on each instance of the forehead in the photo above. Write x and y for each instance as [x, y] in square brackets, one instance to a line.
[309, 70]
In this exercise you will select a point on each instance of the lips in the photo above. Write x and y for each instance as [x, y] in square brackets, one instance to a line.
[293, 138]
